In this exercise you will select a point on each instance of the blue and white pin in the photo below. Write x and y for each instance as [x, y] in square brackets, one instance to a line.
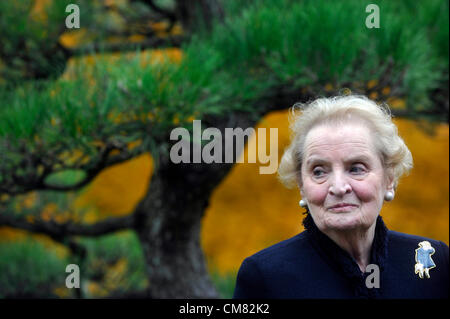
[423, 259]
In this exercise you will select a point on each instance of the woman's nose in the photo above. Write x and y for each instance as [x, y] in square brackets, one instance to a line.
[339, 185]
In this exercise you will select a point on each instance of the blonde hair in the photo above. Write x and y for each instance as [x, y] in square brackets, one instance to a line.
[394, 154]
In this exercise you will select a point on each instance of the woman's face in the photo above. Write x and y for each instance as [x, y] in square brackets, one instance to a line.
[343, 179]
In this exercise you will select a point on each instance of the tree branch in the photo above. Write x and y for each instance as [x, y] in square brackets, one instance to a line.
[58, 231]
[168, 14]
[169, 42]
[16, 185]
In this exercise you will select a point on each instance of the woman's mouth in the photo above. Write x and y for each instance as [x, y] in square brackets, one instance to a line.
[342, 207]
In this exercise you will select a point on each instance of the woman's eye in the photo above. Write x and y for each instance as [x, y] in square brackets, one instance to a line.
[357, 169]
[318, 172]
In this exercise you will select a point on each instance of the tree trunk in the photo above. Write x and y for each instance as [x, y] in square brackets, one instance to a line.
[169, 220]
[169, 217]
[199, 13]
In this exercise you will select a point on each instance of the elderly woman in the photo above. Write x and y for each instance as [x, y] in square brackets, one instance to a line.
[346, 158]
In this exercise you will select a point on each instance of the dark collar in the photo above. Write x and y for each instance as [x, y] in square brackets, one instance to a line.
[341, 260]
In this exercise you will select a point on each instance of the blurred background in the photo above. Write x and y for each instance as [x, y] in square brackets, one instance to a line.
[86, 114]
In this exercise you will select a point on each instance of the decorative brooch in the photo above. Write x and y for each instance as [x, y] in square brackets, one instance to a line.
[423, 259]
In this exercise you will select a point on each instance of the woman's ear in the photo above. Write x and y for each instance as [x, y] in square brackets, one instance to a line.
[301, 191]
[300, 187]
[299, 182]
[390, 180]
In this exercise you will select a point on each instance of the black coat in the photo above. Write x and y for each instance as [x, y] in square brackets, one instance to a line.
[311, 265]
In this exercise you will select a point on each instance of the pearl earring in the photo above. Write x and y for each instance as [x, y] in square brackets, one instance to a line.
[389, 196]
[302, 203]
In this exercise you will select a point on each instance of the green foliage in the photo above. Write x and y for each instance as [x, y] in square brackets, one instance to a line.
[224, 284]
[267, 45]
[66, 177]
[314, 42]
[30, 40]
[28, 269]
[106, 251]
